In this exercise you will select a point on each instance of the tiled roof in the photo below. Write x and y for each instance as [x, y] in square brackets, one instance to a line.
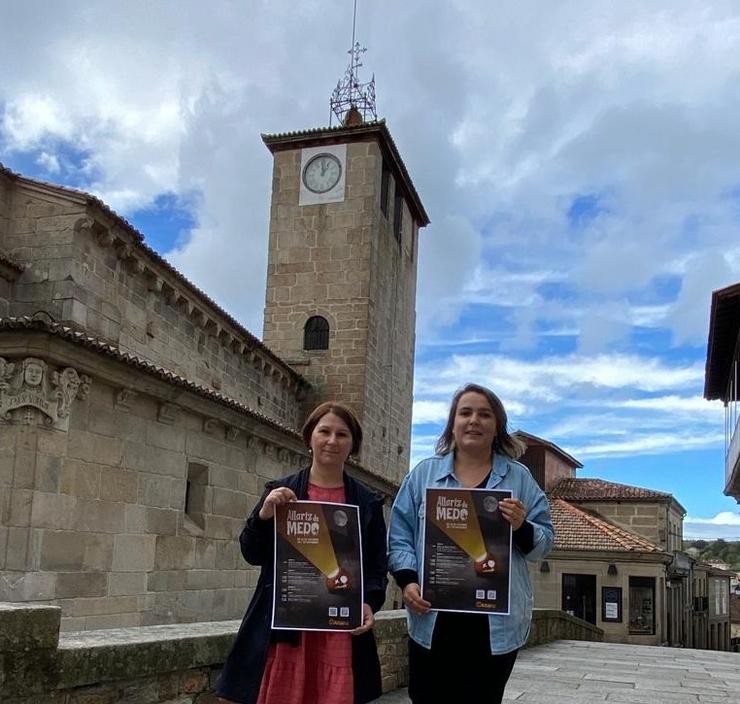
[572, 489]
[161, 261]
[577, 529]
[286, 139]
[100, 346]
[105, 348]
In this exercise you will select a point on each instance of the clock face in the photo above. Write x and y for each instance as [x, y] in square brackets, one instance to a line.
[322, 173]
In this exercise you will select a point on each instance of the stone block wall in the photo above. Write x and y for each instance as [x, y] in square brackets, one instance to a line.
[646, 519]
[391, 336]
[87, 268]
[5, 191]
[548, 589]
[5, 288]
[319, 264]
[94, 517]
[343, 262]
[176, 664]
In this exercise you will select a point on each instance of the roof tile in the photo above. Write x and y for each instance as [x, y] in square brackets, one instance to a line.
[139, 241]
[578, 529]
[572, 489]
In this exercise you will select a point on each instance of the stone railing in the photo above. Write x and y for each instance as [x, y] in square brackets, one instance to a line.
[169, 664]
[550, 624]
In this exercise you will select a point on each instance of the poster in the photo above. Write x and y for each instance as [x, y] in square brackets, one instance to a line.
[318, 567]
[611, 604]
[467, 551]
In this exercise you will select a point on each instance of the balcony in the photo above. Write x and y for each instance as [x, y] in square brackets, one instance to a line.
[732, 471]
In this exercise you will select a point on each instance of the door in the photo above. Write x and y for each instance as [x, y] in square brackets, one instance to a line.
[579, 596]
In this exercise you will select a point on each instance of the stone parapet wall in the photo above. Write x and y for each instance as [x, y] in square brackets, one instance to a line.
[174, 664]
[550, 624]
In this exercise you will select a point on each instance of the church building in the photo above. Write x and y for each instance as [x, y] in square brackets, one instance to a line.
[139, 420]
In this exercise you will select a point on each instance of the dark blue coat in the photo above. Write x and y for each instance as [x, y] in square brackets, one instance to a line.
[242, 674]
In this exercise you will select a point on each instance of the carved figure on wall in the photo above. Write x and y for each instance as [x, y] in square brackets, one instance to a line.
[70, 385]
[29, 387]
[6, 371]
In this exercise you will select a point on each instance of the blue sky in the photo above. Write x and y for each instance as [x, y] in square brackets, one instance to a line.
[580, 163]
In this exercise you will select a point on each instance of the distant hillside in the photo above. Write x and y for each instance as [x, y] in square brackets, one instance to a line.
[726, 550]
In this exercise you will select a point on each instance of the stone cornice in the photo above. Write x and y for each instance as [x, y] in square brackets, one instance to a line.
[229, 418]
[113, 232]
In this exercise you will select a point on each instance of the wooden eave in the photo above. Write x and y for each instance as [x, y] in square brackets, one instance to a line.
[724, 325]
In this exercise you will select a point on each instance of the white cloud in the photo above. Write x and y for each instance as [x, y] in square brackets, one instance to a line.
[49, 162]
[676, 404]
[649, 444]
[725, 524]
[430, 412]
[504, 115]
[723, 518]
[549, 378]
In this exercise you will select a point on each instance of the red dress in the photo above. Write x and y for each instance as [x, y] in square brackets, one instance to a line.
[319, 669]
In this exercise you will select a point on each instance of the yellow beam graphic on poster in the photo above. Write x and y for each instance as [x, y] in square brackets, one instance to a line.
[305, 528]
[454, 514]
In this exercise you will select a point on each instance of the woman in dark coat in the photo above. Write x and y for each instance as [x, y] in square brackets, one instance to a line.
[271, 666]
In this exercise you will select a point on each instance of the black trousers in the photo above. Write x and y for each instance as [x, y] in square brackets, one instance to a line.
[459, 666]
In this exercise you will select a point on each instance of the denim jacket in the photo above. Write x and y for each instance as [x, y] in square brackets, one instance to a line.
[405, 548]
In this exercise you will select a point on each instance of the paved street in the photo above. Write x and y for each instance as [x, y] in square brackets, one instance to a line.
[578, 672]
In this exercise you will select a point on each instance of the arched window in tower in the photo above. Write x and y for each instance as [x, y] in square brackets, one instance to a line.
[316, 333]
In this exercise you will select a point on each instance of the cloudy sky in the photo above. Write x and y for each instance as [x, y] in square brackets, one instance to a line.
[580, 162]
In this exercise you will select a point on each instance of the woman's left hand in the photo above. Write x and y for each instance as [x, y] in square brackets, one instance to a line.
[368, 621]
[513, 511]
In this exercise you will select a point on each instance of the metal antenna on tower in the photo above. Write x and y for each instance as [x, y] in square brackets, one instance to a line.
[353, 102]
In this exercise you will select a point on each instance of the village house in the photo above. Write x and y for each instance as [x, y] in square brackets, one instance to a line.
[618, 560]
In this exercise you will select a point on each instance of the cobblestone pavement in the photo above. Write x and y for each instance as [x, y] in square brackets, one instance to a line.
[578, 672]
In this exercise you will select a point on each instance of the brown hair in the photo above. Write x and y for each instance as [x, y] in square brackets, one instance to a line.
[340, 410]
[503, 443]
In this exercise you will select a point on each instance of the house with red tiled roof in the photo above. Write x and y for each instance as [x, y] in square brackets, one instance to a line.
[618, 560]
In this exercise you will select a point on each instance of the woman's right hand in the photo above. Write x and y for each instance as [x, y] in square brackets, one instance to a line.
[281, 495]
[413, 599]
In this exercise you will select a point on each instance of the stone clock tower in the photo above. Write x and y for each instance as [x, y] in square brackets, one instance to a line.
[341, 277]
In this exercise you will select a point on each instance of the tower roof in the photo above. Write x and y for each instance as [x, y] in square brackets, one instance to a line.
[356, 133]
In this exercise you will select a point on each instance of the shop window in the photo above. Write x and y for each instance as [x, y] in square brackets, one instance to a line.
[642, 606]
[316, 333]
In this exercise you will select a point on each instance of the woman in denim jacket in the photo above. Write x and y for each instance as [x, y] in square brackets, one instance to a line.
[462, 656]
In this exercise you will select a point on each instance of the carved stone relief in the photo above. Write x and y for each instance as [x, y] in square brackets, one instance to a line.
[31, 392]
